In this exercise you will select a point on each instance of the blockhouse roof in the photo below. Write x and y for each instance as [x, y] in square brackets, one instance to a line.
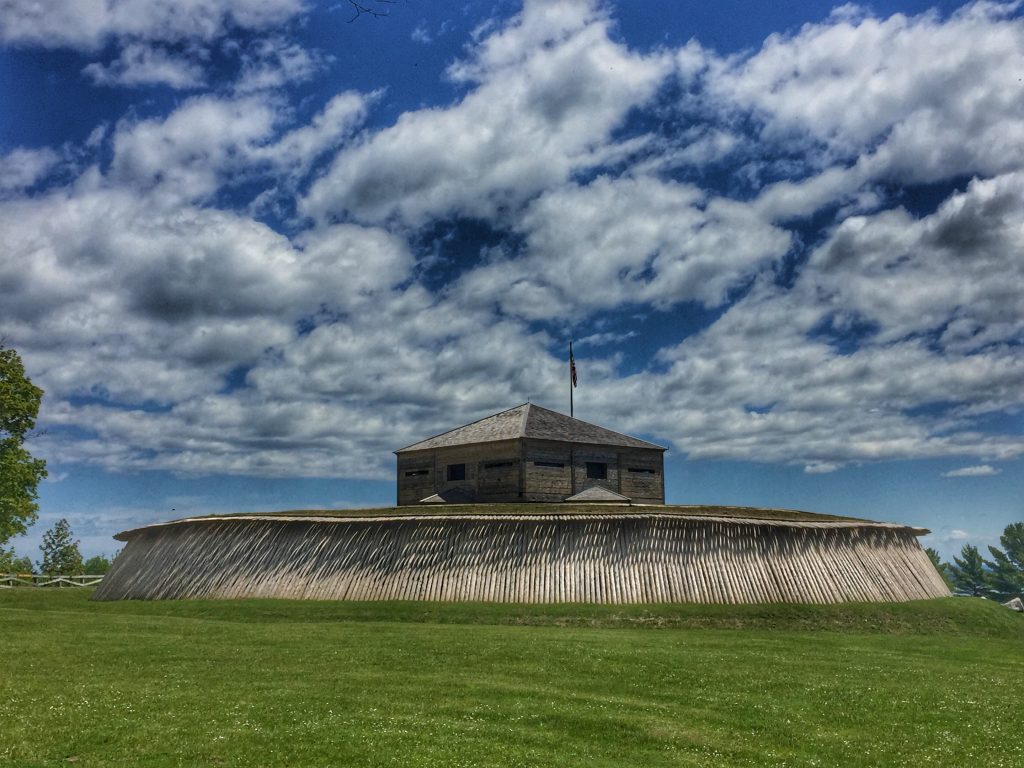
[532, 421]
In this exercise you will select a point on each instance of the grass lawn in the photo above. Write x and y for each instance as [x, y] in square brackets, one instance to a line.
[267, 683]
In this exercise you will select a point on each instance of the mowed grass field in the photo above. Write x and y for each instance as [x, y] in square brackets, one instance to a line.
[274, 683]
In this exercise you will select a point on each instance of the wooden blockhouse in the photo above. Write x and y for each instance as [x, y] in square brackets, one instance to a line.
[531, 454]
[528, 505]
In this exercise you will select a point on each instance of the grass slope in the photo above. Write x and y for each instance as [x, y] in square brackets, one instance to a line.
[305, 683]
[507, 510]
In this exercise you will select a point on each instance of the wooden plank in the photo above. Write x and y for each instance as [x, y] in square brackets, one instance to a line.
[594, 558]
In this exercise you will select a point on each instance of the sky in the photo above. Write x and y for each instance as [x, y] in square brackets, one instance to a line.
[249, 248]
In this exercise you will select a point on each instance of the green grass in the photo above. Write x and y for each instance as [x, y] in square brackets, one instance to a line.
[258, 683]
[504, 510]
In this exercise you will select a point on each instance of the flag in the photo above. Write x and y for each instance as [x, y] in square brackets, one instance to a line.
[572, 366]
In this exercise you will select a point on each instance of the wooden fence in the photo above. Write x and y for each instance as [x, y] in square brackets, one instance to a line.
[612, 558]
[8, 580]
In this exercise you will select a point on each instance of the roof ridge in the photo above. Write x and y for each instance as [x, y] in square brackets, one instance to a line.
[526, 418]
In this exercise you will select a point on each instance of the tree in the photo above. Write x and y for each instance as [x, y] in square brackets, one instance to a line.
[941, 567]
[968, 571]
[98, 565]
[60, 553]
[20, 472]
[11, 563]
[1007, 564]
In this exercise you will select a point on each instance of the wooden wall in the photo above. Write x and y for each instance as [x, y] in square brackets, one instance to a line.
[520, 470]
[594, 559]
[492, 472]
[634, 472]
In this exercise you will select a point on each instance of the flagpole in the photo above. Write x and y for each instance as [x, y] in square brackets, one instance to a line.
[571, 364]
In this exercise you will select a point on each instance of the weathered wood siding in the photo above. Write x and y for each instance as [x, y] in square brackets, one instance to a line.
[642, 476]
[634, 472]
[594, 559]
[547, 470]
[531, 470]
[415, 477]
[492, 472]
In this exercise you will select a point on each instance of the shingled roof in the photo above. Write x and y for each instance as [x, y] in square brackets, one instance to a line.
[532, 421]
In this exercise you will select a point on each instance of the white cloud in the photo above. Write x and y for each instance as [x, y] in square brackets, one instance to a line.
[956, 271]
[550, 87]
[858, 99]
[161, 43]
[981, 470]
[625, 240]
[421, 34]
[89, 24]
[892, 341]
[187, 154]
[765, 382]
[120, 297]
[274, 61]
[295, 151]
[930, 93]
[141, 64]
[23, 168]
[820, 468]
[210, 142]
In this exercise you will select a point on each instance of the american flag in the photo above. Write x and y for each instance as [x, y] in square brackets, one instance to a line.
[572, 366]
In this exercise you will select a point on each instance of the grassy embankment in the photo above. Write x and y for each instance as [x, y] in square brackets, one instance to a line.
[372, 684]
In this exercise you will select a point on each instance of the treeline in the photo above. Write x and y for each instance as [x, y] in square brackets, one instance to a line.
[61, 556]
[1001, 577]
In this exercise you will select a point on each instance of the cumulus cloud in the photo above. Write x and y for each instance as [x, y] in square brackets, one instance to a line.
[187, 154]
[857, 98]
[143, 64]
[631, 239]
[23, 168]
[549, 88]
[160, 304]
[931, 91]
[172, 329]
[295, 152]
[89, 24]
[210, 142]
[954, 273]
[275, 61]
[980, 470]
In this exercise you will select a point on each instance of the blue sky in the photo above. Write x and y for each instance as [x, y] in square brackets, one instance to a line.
[250, 248]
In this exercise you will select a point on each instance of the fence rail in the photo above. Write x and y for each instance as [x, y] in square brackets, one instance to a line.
[8, 580]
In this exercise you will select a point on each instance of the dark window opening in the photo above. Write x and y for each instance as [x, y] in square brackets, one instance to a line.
[497, 464]
[456, 472]
[415, 472]
[552, 464]
[642, 471]
[597, 470]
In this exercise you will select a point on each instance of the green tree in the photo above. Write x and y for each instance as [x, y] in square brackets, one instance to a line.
[60, 552]
[11, 563]
[98, 565]
[968, 571]
[20, 472]
[941, 567]
[1007, 564]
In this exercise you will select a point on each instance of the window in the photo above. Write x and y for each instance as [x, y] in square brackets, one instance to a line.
[642, 471]
[549, 464]
[597, 470]
[497, 464]
[456, 472]
[416, 472]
